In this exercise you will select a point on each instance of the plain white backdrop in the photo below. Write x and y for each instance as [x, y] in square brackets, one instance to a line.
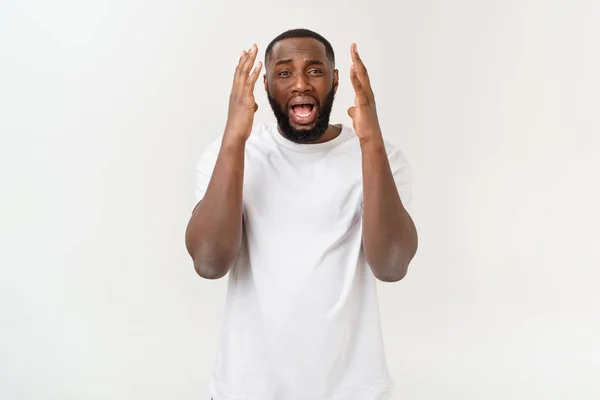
[105, 107]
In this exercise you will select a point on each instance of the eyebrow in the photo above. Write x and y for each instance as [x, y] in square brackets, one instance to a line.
[289, 61]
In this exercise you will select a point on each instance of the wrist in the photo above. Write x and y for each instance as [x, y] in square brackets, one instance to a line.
[233, 141]
[372, 142]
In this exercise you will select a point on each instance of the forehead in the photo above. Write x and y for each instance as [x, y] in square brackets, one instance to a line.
[299, 49]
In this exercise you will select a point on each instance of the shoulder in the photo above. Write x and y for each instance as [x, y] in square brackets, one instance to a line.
[392, 149]
[259, 134]
[209, 153]
[395, 154]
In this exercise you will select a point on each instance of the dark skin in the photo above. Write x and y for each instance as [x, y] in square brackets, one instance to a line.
[214, 233]
[389, 234]
[300, 67]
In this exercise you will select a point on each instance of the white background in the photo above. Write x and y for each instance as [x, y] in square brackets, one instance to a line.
[105, 107]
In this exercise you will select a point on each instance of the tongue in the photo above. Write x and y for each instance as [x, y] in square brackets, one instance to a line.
[302, 109]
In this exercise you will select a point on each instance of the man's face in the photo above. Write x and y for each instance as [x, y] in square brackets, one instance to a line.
[301, 83]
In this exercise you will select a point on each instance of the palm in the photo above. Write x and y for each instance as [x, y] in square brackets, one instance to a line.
[242, 104]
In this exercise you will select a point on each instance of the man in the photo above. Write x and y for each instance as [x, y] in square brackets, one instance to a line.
[305, 216]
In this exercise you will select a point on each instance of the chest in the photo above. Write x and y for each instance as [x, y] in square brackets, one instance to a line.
[302, 193]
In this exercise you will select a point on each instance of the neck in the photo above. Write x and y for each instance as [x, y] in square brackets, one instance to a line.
[331, 133]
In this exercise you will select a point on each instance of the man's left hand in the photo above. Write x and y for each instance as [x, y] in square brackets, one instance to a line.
[364, 112]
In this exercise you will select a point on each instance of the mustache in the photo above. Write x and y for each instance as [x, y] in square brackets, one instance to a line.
[317, 103]
[286, 106]
[324, 109]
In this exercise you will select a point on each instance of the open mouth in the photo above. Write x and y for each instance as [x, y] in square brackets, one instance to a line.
[303, 113]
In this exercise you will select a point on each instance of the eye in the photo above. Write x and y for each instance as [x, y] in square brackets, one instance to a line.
[284, 73]
[315, 71]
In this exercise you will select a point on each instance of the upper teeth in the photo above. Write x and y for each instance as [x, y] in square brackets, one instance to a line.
[304, 115]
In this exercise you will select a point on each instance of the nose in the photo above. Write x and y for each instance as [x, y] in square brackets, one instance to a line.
[301, 84]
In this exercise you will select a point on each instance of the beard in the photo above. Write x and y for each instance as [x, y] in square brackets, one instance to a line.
[309, 135]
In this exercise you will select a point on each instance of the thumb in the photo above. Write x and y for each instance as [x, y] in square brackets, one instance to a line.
[255, 107]
[351, 112]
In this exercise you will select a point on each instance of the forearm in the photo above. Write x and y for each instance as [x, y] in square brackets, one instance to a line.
[389, 234]
[214, 232]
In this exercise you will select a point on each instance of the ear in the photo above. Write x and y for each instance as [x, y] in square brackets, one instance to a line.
[336, 80]
[265, 81]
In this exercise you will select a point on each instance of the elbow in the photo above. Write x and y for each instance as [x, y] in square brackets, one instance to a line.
[210, 271]
[392, 269]
[394, 273]
[212, 264]
[401, 266]
[210, 261]
[397, 269]
[390, 264]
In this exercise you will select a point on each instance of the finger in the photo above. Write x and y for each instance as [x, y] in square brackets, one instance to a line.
[361, 70]
[249, 62]
[254, 76]
[356, 83]
[241, 62]
[351, 112]
[356, 59]
[242, 56]
[358, 87]
[354, 52]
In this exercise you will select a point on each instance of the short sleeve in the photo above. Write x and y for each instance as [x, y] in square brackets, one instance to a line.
[402, 174]
[205, 167]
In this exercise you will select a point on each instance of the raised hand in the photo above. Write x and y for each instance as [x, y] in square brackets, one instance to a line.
[242, 104]
[364, 112]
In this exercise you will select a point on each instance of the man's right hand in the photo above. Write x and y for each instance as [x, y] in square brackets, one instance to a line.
[242, 104]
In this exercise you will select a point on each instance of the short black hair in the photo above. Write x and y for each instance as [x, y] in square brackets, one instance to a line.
[301, 33]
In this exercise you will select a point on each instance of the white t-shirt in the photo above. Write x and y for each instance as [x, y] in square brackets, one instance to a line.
[301, 318]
